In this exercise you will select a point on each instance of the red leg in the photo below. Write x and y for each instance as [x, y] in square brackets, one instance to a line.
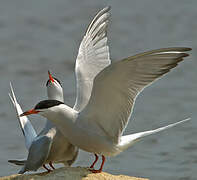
[101, 168]
[46, 168]
[50, 164]
[96, 159]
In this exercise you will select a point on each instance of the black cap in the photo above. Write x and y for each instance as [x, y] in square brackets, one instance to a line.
[47, 104]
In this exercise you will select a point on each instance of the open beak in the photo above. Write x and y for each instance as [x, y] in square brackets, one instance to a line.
[50, 77]
[32, 111]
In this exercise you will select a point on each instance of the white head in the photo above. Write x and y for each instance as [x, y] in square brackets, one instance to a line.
[54, 88]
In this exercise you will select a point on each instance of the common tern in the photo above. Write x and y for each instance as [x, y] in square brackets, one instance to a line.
[106, 93]
[49, 146]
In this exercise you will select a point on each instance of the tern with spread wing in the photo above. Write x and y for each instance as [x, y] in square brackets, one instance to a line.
[106, 93]
[49, 146]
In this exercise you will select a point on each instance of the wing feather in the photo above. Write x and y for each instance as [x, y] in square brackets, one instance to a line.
[38, 153]
[117, 86]
[25, 125]
[93, 56]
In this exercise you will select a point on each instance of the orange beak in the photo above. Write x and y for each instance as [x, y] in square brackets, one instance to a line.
[32, 111]
[50, 77]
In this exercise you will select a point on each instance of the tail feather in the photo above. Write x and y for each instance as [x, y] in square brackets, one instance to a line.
[17, 162]
[129, 140]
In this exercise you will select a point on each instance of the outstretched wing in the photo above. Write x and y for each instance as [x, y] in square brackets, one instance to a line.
[93, 56]
[117, 86]
[26, 126]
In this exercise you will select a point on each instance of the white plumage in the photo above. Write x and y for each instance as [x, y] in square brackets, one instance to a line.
[106, 93]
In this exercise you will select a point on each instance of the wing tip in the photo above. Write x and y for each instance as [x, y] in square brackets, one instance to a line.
[12, 93]
[107, 8]
[178, 49]
[187, 48]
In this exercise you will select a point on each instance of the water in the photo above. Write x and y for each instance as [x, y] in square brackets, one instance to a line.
[39, 35]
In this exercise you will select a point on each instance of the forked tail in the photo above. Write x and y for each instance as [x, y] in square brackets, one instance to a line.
[129, 140]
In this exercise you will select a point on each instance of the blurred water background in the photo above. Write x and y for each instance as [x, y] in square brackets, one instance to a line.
[39, 35]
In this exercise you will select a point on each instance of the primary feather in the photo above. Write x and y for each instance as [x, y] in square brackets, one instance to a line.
[117, 86]
[26, 126]
[93, 56]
